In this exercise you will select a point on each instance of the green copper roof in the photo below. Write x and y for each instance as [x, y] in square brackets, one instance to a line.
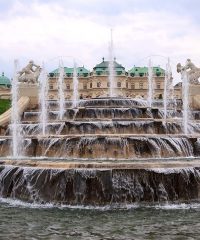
[105, 64]
[80, 71]
[137, 71]
[103, 68]
[4, 80]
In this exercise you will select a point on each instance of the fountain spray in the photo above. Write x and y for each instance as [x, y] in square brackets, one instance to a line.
[185, 92]
[43, 94]
[111, 67]
[167, 88]
[15, 118]
[150, 84]
[75, 87]
[60, 90]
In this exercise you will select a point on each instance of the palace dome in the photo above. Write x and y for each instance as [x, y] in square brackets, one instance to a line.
[103, 68]
[4, 81]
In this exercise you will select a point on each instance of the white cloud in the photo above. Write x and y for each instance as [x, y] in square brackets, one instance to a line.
[44, 31]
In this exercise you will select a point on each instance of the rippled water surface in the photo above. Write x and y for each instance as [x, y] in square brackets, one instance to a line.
[18, 221]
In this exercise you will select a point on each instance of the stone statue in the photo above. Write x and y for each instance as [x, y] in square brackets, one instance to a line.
[28, 74]
[191, 69]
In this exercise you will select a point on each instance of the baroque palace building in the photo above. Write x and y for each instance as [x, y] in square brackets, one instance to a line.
[95, 83]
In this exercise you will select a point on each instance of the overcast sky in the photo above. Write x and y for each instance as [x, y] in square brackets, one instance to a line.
[43, 30]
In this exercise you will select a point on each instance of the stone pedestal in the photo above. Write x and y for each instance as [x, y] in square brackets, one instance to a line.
[31, 91]
[194, 96]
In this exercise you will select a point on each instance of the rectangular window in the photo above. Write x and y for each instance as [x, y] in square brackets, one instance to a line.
[68, 87]
[158, 85]
[118, 84]
[90, 85]
[98, 84]
[108, 84]
[141, 85]
[51, 86]
[126, 84]
[85, 86]
[132, 86]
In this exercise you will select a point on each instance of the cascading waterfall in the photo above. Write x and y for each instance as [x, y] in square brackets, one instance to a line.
[104, 151]
[150, 84]
[111, 69]
[185, 97]
[60, 91]
[15, 118]
[75, 87]
[43, 94]
[112, 186]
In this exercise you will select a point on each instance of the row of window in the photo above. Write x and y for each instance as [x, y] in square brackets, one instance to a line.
[69, 74]
[107, 73]
[141, 86]
[158, 74]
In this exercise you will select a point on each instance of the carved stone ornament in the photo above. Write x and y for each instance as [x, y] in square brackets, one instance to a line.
[192, 71]
[30, 73]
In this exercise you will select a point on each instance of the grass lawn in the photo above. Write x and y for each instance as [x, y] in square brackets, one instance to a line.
[5, 104]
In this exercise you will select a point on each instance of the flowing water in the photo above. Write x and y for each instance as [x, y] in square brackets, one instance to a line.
[84, 188]
[25, 221]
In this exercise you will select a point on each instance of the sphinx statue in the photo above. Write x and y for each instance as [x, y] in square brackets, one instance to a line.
[28, 74]
[192, 71]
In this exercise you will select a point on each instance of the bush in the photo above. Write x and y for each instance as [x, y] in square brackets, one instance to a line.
[5, 104]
